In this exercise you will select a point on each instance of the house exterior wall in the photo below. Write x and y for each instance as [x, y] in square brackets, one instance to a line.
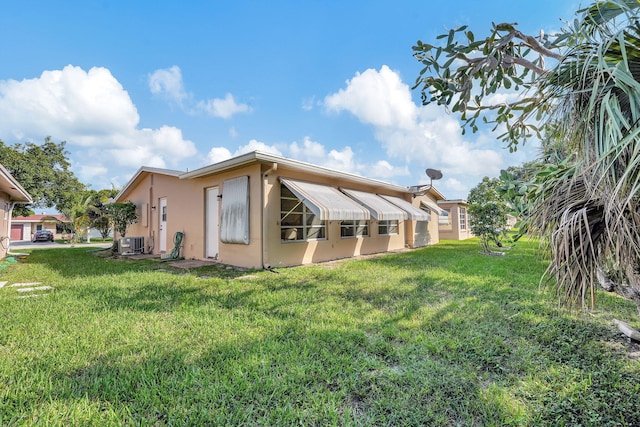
[5, 221]
[183, 211]
[427, 233]
[453, 231]
[242, 255]
[279, 253]
[187, 205]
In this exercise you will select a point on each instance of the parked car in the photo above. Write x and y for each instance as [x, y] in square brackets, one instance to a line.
[42, 236]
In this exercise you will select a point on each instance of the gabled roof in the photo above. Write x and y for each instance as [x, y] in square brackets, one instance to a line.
[9, 185]
[141, 173]
[40, 218]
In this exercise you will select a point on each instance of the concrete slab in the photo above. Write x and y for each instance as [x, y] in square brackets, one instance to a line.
[2, 284]
[38, 288]
[25, 284]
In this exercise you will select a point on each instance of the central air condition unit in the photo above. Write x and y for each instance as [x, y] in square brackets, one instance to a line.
[131, 245]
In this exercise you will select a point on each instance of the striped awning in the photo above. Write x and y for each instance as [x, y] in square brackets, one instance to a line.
[326, 202]
[415, 213]
[432, 207]
[380, 209]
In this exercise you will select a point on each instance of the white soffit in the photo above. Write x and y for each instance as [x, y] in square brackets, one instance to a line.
[380, 209]
[416, 214]
[326, 202]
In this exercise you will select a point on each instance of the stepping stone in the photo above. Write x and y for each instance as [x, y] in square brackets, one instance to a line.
[29, 296]
[24, 284]
[38, 288]
[2, 284]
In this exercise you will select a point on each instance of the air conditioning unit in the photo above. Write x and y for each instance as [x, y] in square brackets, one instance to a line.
[131, 245]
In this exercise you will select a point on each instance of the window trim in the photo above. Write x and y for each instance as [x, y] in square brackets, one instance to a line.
[360, 229]
[462, 218]
[389, 225]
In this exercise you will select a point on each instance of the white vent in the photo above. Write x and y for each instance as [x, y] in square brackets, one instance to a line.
[131, 245]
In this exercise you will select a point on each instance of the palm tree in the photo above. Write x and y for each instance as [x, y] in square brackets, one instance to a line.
[585, 107]
[589, 208]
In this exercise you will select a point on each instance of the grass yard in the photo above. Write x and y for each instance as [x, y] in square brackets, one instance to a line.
[437, 336]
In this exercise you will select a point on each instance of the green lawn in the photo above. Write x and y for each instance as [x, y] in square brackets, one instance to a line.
[437, 336]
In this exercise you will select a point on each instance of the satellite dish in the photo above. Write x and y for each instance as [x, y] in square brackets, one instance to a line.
[434, 174]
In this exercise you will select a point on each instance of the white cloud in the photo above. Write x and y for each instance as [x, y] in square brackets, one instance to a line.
[420, 136]
[95, 115]
[223, 107]
[308, 103]
[382, 169]
[344, 160]
[379, 98]
[168, 82]
[255, 145]
[219, 154]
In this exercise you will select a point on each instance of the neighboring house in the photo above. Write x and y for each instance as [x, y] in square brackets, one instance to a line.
[454, 221]
[262, 210]
[23, 227]
[11, 193]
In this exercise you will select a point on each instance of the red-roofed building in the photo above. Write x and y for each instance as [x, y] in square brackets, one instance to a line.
[23, 227]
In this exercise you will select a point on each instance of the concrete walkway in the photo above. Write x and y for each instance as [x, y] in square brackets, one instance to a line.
[28, 244]
[28, 289]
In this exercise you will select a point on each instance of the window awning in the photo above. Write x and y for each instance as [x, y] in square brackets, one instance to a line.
[416, 214]
[326, 202]
[432, 207]
[380, 209]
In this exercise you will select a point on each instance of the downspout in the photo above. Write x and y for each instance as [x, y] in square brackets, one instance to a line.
[151, 243]
[9, 220]
[264, 213]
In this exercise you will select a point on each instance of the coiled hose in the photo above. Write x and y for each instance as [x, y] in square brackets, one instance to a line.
[177, 243]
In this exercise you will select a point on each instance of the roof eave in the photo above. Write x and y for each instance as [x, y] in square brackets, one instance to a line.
[15, 191]
[261, 157]
[139, 173]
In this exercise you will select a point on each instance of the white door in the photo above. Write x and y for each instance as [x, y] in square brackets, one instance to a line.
[163, 225]
[211, 223]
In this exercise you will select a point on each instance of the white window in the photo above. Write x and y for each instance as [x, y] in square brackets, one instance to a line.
[358, 228]
[388, 227]
[444, 218]
[463, 218]
[297, 222]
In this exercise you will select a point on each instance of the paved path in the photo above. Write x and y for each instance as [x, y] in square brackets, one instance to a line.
[27, 244]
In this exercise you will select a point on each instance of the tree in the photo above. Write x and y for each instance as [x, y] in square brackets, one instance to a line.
[579, 91]
[488, 213]
[122, 216]
[97, 210]
[42, 170]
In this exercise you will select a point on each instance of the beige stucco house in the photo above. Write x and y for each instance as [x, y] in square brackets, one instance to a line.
[454, 221]
[11, 192]
[260, 210]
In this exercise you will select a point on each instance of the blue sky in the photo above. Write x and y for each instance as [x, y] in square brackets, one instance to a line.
[182, 84]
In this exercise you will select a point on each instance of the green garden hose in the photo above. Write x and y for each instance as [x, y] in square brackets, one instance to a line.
[177, 242]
